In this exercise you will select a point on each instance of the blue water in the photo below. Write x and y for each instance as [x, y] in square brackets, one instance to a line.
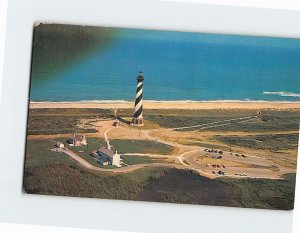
[180, 66]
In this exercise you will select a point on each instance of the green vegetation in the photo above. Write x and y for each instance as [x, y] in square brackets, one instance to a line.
[263, 193]
[55, 121]
[207, 145]
[64, 180]
[38, 153]
[55, 125]
[269, 142]
[95, 144]
[270, 120]
[181, 186]
[134, 159]
[63, 121]
[78, 112]
[282, 148]
[53, 173]
[141, 146]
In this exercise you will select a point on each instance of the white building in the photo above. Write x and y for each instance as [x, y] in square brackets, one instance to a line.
[108, 157]
[59, 145]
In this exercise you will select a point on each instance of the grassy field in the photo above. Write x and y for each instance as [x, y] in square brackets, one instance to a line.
[61, 121]
[207, 145]
[38, 151]
[133, 159]
[122, 147]
[54, 173]
[55, 121]
[280, 148]
[270, 121]
[268, 142]
[141, 146]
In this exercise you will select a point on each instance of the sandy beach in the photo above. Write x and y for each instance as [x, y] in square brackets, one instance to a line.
[170, 105]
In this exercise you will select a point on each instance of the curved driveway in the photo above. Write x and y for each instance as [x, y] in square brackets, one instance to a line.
[86, 164]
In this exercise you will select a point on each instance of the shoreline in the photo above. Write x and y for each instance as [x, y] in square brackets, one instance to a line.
[181, 104]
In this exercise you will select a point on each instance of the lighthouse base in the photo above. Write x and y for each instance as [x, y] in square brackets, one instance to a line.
[137, 121]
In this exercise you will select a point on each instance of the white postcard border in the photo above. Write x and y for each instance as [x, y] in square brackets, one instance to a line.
[15, 206]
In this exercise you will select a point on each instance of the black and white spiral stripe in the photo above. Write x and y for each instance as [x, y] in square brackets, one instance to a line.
[138, 106]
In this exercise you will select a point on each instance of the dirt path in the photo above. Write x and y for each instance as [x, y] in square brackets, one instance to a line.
[106, 138]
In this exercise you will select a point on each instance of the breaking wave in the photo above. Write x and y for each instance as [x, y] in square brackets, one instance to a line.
[282, 93]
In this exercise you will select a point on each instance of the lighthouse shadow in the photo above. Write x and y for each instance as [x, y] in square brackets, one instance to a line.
[123, 120]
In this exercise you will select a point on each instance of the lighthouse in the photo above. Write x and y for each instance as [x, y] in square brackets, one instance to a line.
[138, 105]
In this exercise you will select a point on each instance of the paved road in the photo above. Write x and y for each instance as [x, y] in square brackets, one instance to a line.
[87, 165]
[188, 159]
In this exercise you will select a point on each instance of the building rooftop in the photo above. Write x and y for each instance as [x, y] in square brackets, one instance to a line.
[106, 151]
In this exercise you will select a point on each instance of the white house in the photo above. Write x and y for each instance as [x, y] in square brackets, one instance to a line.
[108, 157]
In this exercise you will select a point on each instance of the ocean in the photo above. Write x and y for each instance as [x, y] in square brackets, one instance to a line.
[176, 66]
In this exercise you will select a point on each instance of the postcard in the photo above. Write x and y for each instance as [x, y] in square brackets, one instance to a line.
[163, 116]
